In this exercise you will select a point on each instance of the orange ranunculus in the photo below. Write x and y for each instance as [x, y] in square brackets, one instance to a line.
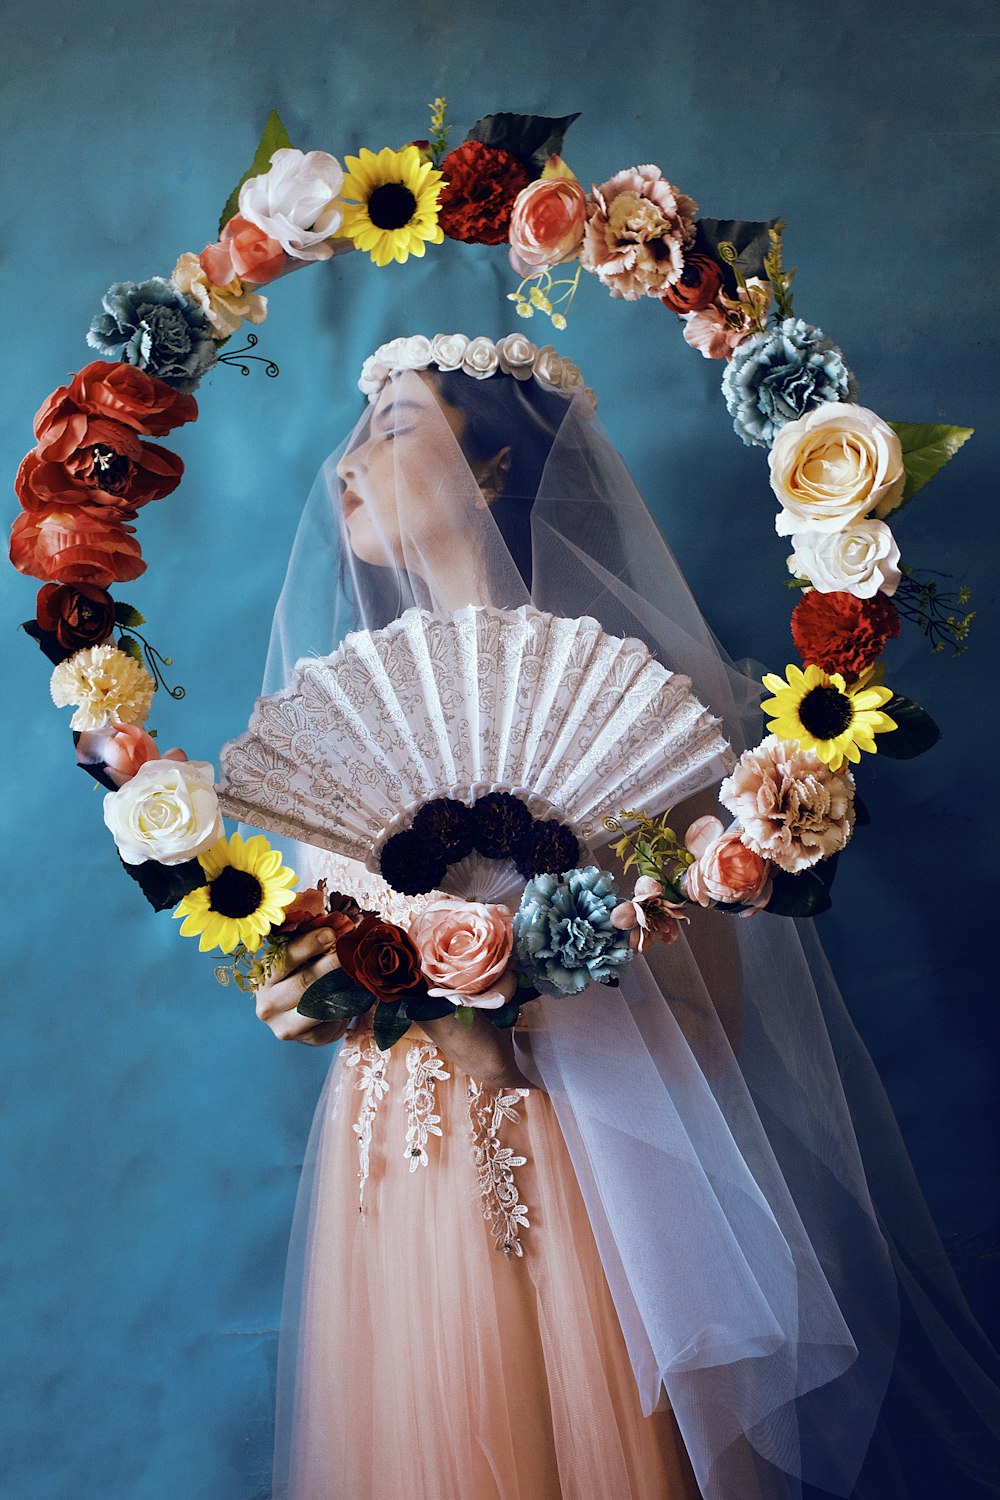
[96, 461]
[127, 394]
[245, 251]
[75, 546]
[696, 287]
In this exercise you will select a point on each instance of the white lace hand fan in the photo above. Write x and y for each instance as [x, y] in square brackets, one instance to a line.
[577, 722]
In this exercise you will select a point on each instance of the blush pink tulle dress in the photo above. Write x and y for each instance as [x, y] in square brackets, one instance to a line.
[453, 1336]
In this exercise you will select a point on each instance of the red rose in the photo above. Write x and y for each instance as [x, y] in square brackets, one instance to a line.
[127, 394]
[98, 462]
[697, 287]
[75, 546]
[483, 182]
[381, 957]
[841, 633]
[77, 615]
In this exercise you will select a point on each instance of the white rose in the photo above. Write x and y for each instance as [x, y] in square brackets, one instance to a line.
[517, 356]
[862, 560]
[374, 375]
[571, 378]
[481, 359]
[294, 202]
[414, 354]
[168, 812]
[448, 350]
[834, 465]
[548, 366]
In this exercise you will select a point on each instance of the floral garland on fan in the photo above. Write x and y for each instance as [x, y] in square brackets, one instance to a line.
[837, 469]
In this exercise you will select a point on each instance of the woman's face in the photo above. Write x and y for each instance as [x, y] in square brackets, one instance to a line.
[413, 438]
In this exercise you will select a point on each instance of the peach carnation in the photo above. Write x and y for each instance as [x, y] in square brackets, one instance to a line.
[794, 810]
[637, 230]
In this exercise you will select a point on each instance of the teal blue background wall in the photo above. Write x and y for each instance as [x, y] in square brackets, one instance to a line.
[153, 1130]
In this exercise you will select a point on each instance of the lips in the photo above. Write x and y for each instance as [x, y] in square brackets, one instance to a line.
[350, 502]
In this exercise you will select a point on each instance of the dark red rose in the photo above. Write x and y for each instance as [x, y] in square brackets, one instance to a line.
[697, 287]
[127, 394]
[80, 546]
[380, 956]
[77, 615]
[841, 633]
[483, 182]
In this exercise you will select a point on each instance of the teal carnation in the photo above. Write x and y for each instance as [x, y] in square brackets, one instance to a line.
[563, 932]
[153, 325]
[776, 376]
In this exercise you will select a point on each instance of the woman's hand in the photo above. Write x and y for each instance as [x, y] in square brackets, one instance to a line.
[482, 1051]
[303, 961]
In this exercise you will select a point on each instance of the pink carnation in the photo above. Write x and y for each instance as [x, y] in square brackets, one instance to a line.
[725, 869]
[794, 810]
[637, 231]
[465, 949]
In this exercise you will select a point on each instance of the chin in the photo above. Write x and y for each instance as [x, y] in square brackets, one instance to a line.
[367, 545]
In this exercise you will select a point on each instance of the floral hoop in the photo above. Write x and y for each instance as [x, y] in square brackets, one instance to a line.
[838, 470]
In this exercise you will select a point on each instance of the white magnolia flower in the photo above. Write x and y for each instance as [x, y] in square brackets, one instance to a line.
[295, 202]
[168, 812]
[517, 356]
[862, 560]
[106, 683]
[834, 465]
[448, 350]
[481, 359]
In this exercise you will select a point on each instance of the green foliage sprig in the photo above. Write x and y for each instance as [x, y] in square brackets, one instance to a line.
[774, 270]
[440, 132]
[651, 848]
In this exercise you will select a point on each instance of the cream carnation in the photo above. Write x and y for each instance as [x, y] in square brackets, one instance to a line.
[834, 465]
[168, 812]
[465, 949]
[295, 202]
[225, 307]
[794, 810]
[862, 560]
[106, 683]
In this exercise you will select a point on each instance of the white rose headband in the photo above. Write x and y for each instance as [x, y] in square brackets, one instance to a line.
[479, 357]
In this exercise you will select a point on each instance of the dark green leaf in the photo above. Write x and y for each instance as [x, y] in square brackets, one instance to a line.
[428, 1009]
[131, 647]
[128, 616]
[803, 895]
[334, 997]
[862, 817]
[748, 236]
[505, 1015]
[915, 733]
[927, 447]
[390, 1023]
[531, 138]
[273, 138]
[164, 885]
[47, 640]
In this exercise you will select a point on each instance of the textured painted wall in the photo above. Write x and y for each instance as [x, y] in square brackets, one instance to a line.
[153, 1129]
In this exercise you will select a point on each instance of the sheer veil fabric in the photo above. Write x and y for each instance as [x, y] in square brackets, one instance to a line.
[778, 1281]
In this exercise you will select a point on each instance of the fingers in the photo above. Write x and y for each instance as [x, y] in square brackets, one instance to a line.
[300, 950]
[322, 1034]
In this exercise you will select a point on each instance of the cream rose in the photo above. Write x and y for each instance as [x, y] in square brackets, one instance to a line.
[834, 465]
[517, 356]
[465, 949]
[167, 812]
[481, 359]
[295, 202]
[863, 559]
[448, 350]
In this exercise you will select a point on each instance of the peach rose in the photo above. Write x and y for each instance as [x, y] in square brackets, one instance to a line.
[465, 949]
[245, 251]
[120, 749]
[78, 546]
[725, 869]
[546, 224]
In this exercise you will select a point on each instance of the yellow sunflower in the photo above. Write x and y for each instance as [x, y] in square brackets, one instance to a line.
[245, 895]
[391, 203]
[824, 714]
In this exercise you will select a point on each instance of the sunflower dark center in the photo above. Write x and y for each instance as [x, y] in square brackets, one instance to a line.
[391, 206]
[826, 712]
[234, 893]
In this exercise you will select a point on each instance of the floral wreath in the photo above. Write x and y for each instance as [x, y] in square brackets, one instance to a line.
[839, 471]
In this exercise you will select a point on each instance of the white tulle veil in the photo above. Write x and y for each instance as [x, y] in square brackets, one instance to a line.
[776, 1275]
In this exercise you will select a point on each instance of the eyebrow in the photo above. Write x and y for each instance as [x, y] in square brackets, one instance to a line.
[383, 415]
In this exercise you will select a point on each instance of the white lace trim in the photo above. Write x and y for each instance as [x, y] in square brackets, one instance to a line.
[351, 878]
[371, 1065]
[423, 1068]
[495, 1165]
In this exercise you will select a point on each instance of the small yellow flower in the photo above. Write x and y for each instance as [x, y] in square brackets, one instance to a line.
[823, 714]
[245, 895]
[391, 203]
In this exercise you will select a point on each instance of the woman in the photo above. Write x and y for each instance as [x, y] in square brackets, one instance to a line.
[705, 1155]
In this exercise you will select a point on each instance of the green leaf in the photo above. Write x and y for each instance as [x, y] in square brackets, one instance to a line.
[750, 238]
[531, 138]
[131, 647]
[915, 733]
[803, 895]
[426, 1008]
[390, 1022]
[927, 447]
[505, 1015]
[128, 616]
[164, 885]
[465, 1015]
[334, 997]
[273, 138]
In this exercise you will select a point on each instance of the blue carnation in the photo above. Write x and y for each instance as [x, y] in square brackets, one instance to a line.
[153, 325]
[780, 374]
[563, 931]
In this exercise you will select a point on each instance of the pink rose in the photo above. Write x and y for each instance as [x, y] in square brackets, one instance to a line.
[725, 869]
[546, 224]
[120, 750]
[648, 917]
[245, 251]
[465, 948]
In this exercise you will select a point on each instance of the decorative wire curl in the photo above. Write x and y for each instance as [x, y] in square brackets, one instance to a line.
[235, 357]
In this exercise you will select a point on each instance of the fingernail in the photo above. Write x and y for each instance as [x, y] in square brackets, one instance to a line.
[326, 937]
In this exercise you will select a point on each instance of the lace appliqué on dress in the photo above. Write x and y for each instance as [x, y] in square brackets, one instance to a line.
[371, 1065]
[495, 1164]
[423, 1068]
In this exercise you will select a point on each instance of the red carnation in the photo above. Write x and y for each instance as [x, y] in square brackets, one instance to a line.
[841, 633]
[483, 182]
